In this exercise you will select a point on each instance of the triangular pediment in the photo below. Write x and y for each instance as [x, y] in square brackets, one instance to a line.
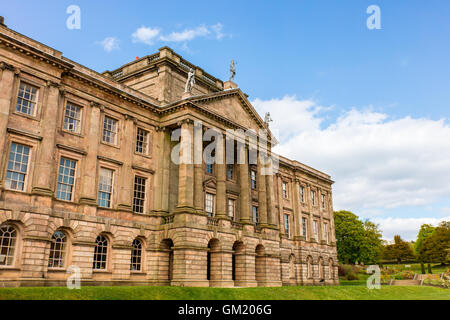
[234, 106]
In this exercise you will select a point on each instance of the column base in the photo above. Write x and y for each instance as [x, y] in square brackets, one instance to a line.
[184, 209]
[221, 283]
[245, 283]
[189, 283]
[42, 191]
[88, 201]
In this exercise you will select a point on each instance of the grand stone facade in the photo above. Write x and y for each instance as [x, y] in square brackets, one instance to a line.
[86, 180]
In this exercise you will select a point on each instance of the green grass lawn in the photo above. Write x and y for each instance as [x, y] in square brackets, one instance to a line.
[344, 292]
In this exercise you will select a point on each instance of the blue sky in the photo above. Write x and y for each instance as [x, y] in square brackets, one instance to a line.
[315, 59]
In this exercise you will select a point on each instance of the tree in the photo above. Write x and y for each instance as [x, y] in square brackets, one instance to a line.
[372, 245]
[425, 231]
[434, 248]
[356, 240]
[399, 251]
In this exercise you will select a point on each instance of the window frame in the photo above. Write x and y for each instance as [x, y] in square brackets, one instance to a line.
[107, 254]
[36, 103]
[253, 181]
[16, 246]
[80, 121]
[144, 200]
[302, 190]
[233, 217]
[72, 197]
[64, 251]
[146, 152]
[253, 214]
[213, 204]
[113, 179]
[287, 225]
[285, 189]
[305, 227]
[26, 174]
[141, 256]
[116, 140]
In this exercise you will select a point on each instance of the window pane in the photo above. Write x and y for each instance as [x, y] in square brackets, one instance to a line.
[17, 167]
[66, 179]
[139, 194]
[26, 99]
[109, 130]
[8, 236]
[72, 118]
[105, 187]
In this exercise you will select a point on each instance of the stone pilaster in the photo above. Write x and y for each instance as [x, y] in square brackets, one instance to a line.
[280, 203]
[186, 168]
[221, 171]
[6, 92]
[43, 182]
[262, 194]
[295, 189]
[89, 181]
[198, 168]
[126, 179]
[244, 186]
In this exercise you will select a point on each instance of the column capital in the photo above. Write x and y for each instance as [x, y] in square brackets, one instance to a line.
[7, 66]
[185, 121]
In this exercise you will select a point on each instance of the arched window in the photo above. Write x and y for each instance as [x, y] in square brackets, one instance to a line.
[136, 255]
[309, 268]
[100, 253]
[57, 250]
[8, 240]
[330, 269]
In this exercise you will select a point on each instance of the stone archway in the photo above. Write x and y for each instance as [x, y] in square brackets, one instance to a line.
[166, 260]
[238, 262]
[260, 265]
[214, 263]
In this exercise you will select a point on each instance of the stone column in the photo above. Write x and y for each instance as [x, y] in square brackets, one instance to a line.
[295, 189]
[186, 167]
[89, 181]
[262, 194]
[43, 182]
[244, 184]
[158, 182]
[280, 203]
[198, 167]
[221, 177]
[270, 193]
[126, 180]
[6, 92]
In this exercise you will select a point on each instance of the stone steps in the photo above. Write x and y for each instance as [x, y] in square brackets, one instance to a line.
[406, 283]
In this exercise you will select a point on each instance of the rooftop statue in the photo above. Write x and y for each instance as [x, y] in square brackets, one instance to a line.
[232, 70]
[190, 81]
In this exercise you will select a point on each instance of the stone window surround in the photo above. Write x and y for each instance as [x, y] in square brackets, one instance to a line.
[116, 143]
[41, 84]
[17, 260]
[116, 173]
[148, 152]
[107, 269]
[72, 99]
[148, 189]
[29, 142]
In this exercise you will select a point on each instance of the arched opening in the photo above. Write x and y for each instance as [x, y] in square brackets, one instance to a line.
[8, 244]
[238, 261]
[309, 271]
[331, 269]
[213, 260]
[321, 274]
[292, 271]
[166, 267]
[260, 264]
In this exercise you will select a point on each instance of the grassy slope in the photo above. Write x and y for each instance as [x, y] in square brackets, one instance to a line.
[178, 293]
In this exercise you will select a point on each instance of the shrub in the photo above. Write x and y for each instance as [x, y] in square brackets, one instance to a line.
[352, 276]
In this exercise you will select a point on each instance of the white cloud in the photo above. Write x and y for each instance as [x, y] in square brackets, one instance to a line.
[110, 43]
[146, 35]
[186, 35]
[151, 35]
[407, 228]
[377, 162]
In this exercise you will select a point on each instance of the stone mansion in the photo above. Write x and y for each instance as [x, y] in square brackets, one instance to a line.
[87, 180]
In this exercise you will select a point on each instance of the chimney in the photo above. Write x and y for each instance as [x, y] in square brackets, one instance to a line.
[2, 21]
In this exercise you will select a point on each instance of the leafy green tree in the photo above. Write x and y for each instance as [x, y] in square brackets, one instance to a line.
[426, 230]
[434, 248]
[399, 251]
[372, 245]
[356, 240]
